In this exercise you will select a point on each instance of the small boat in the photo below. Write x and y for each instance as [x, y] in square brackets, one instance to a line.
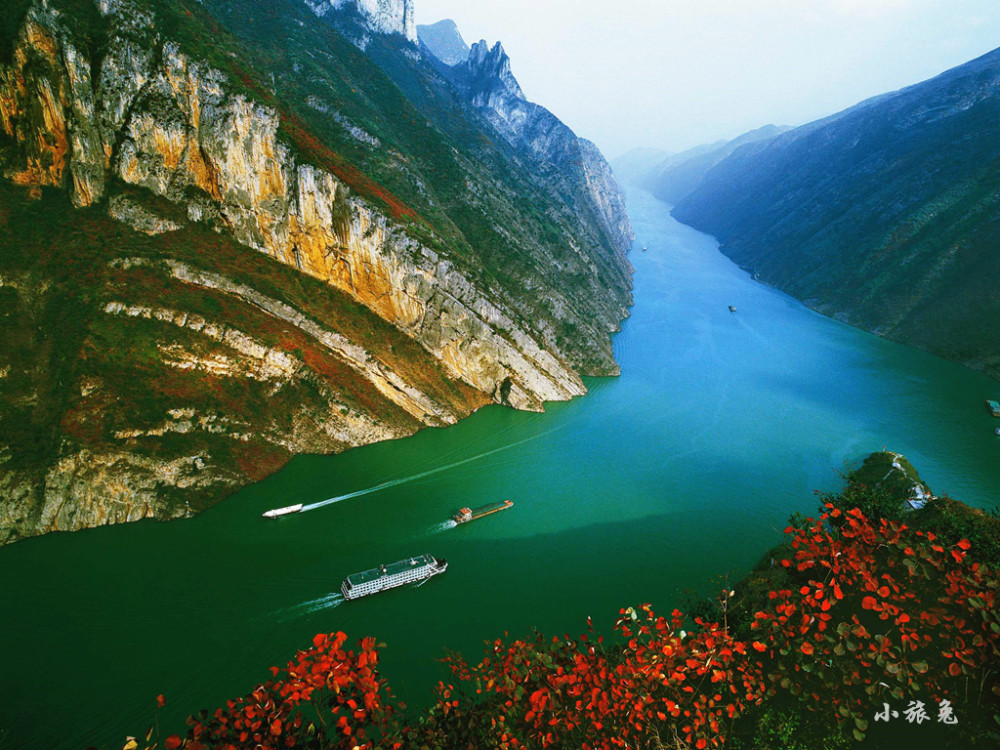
[997, 430]
[645, 249]
[993, 407]
[732, 308]
[286, 511]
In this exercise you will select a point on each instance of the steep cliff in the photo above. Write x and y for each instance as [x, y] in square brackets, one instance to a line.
[229, 238]
[574, 167]
[886, 215]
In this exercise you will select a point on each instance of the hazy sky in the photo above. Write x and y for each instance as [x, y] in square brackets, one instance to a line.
[678, 73]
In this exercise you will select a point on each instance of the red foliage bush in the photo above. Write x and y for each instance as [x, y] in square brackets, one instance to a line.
[881, 610]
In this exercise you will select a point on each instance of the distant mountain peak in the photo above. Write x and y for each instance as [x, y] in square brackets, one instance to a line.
[489, 71]
[380, 16]
[444, 41]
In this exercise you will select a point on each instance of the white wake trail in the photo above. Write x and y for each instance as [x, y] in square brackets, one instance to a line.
[421, 475]
[313, 605]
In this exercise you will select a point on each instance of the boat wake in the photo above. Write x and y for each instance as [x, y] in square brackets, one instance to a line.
[330, 601]
[444, 526]
[414, 477]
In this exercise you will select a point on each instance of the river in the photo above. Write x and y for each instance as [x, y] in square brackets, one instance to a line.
[683, 469]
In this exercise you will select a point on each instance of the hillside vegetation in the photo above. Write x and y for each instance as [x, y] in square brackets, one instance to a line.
[238, 231]
[886, 215]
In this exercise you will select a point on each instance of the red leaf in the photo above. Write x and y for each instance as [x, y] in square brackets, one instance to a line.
[868, 602]
[172, 742]
[964, 544]
[759, 646]
[807, 648]
[160, 700]
[954, 670]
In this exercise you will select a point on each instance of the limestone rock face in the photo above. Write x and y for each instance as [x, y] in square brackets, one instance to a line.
[171, 126]
[380, 16]
[586, 179]
[169, 145]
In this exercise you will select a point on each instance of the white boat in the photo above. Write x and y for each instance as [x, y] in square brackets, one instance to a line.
[287, 510]
[390, 576]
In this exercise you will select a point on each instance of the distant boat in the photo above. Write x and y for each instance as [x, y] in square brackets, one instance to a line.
[997, 430]
[993, 407]
[732, 308]
[645, 249]
[287, 510]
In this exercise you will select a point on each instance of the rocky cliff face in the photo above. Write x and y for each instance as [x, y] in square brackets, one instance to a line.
[486, 78]
[397, 332]
[380, 16]
[885, 215]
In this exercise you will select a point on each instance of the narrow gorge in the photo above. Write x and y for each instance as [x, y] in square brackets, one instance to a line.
[218, 254]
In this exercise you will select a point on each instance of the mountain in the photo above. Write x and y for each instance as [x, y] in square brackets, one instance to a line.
[581, 176]
[238, 231]
[678, 176]
[886, 215]
[444, 41]
[632, 166]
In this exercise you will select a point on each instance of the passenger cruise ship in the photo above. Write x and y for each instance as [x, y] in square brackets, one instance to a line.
[390, 576]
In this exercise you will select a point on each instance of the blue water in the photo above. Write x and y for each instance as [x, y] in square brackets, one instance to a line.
[682, 470]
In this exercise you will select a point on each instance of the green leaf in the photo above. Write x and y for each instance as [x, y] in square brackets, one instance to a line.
[859, 735]
[844, 711]
[861, 724]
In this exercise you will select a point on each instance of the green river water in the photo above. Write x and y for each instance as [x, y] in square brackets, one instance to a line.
[684, 468]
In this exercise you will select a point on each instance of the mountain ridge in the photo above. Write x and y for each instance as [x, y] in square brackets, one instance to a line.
[884, 215]
[206, 163]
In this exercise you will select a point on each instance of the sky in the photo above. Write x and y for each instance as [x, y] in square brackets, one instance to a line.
[673, 74]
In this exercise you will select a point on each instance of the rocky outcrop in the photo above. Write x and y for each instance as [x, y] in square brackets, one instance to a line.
[168, 124]
[379, 16]
[606, 193]
[192, 364]
[588, 182]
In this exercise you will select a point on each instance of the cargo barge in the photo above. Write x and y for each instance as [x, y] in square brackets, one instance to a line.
[465, 515]
[391, 576]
